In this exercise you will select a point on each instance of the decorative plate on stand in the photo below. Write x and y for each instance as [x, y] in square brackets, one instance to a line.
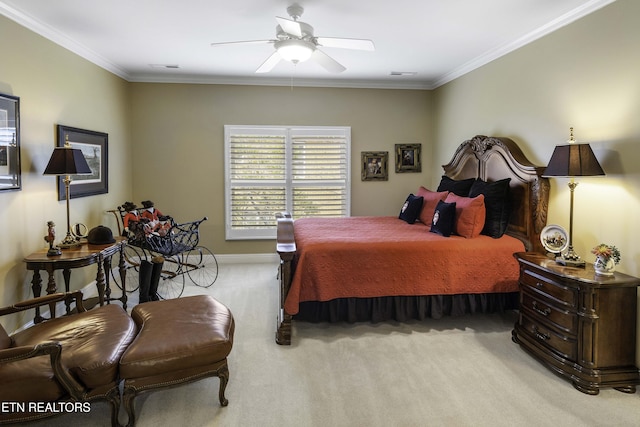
[554, 238]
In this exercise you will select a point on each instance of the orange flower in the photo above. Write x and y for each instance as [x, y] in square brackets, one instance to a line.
[607, 251]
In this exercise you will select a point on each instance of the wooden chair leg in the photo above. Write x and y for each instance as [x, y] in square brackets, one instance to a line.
[223, 374]
[113, 397]
[128, 396]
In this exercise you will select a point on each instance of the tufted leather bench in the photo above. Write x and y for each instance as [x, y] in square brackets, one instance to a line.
[179, 341]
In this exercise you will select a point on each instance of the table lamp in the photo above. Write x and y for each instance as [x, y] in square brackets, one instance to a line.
[572, 160]
[67, 161]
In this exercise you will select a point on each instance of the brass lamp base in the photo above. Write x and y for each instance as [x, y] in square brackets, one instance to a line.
[570, 258]
[569, 262]
[69, 242]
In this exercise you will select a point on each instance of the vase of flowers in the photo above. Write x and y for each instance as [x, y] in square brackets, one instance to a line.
[607, 257]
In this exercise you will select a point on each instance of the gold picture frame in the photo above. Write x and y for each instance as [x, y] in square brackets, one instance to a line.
[375, 165]
[408, 158]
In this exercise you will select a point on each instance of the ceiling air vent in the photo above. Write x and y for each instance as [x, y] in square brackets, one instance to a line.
[165, 66]
[403, 73]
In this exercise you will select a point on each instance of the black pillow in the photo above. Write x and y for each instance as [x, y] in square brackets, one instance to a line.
[444, 218]
[411, 208]
[497, 204]
[458, 187]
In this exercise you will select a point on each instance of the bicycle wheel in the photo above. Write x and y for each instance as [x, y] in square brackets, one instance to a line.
[171, 284]
[132, 258]
[202, 266]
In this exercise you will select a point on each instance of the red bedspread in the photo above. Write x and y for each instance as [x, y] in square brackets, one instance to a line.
[385, 256]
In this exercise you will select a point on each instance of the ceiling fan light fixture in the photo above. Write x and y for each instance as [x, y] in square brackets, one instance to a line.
[295, 51]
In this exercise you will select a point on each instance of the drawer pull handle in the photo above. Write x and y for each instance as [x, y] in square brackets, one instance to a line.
[540, 335]
[545, 312]
[539, 285]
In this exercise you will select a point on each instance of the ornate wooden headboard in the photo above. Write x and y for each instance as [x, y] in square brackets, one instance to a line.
[492, 159]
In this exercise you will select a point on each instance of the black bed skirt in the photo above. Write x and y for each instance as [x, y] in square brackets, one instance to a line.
[401, 309]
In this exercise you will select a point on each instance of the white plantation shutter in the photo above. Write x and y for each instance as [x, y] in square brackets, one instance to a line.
[319, 173]
[269, 169]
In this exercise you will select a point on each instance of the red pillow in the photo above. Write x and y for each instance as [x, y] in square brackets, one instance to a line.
[431, 199]
[470, 214]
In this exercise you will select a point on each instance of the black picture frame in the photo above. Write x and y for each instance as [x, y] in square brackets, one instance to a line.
[10, 170]
[94, 146]
[408, 158]
[375, 165]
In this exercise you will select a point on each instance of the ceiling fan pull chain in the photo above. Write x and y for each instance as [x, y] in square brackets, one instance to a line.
[295, 67]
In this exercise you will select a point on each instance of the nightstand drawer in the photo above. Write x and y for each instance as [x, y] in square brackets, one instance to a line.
[561, 318]
[565, 346]
[549, 288]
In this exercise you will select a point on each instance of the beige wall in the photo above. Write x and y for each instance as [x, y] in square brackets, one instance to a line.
[179, 143]
[585, 75]
[55, 87]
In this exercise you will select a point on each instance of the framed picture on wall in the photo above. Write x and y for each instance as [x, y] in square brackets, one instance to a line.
[94, 147]
[9, 143]
[408, 158]
[374, 165]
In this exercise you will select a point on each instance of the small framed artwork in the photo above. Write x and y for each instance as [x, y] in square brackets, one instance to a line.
[408, 158]
[374, 165]
[94, 147]
[9, 143]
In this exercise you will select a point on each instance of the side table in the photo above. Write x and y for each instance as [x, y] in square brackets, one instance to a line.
[580, 325]
[77, 257]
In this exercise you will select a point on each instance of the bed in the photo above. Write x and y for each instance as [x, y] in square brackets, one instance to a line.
[386, 268]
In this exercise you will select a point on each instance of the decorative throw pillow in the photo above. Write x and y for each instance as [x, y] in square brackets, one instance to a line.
[444, 217]
[411, 209]
[459, 187]
[431, 199]
[470, 215]
[496, 203]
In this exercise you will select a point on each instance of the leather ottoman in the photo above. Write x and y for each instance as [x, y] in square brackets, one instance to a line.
[179, 341]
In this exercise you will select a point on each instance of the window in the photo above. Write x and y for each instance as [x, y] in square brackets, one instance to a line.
[271, 169]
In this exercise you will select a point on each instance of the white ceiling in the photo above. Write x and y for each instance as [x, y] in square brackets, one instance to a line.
[438, 40]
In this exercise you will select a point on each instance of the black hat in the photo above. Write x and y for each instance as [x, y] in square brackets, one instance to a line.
[129, 206]
[147, 204]
[100, 235]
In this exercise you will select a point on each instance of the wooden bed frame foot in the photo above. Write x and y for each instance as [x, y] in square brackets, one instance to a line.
[283, 331]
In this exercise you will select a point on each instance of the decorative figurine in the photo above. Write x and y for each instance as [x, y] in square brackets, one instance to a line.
[150, 211]
[159, 223]
[131, 215]
[50, 238]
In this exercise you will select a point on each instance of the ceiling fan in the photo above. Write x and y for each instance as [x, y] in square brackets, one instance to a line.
[296, 43]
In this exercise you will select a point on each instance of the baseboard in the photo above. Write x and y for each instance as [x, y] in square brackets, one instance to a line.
[248, 258]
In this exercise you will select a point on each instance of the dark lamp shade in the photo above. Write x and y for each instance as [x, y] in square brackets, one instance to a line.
[67, 161]
[573, 160]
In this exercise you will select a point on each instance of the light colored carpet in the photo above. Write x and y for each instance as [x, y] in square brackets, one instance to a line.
[462, 371]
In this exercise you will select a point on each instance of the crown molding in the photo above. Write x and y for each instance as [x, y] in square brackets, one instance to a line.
[286, 82]
[58, 38]
[540, 32]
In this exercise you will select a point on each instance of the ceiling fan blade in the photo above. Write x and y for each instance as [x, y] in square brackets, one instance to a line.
[327, 62]
[271, 62]
[289, 26]
[244, 42]
[358, 44]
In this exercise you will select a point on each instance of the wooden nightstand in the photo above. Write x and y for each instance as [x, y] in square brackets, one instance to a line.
[580, 325]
